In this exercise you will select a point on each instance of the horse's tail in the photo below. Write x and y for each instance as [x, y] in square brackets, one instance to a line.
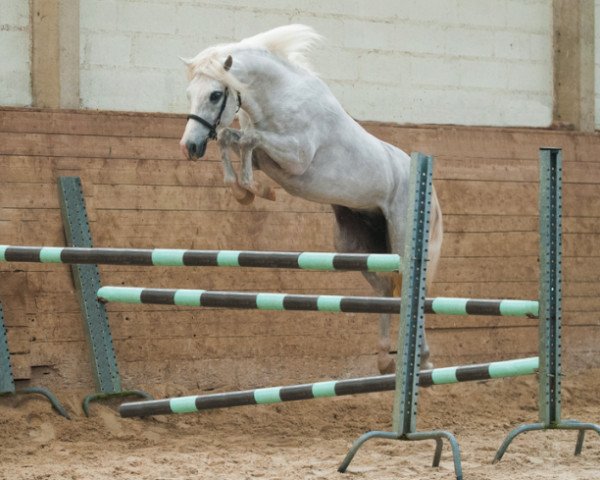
[436, 235]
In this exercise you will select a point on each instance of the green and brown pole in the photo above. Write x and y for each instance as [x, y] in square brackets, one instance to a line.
[336, 388]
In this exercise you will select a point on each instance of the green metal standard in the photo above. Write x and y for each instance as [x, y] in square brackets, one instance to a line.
[410, 335]
[7, 382]
[550, 328]
[87, 282]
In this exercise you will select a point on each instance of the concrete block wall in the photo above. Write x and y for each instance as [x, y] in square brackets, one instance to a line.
[15, 46]
[486, 62]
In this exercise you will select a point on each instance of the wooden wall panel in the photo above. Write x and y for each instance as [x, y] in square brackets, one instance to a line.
[141, 194]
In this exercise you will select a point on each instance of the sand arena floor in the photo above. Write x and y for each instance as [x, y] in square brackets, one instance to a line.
[302, 440]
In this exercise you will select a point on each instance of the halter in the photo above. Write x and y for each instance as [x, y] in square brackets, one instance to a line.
[212, 128]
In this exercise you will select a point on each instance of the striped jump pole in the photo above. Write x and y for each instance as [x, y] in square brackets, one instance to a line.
[321, 303]
[164, 257]
[438, 376]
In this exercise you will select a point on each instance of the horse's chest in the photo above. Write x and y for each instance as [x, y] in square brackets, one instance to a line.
[318, 186]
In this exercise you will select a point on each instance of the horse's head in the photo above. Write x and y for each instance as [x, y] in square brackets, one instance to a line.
[213, 106]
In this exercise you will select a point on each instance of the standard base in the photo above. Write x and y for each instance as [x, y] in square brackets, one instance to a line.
[563, 425]
[436, 435]
[94, 397]
[46, 393]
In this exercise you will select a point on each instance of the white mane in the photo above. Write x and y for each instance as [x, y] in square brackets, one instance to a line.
[290, 42]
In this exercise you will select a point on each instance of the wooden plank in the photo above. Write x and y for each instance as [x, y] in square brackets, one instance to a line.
[480, 198]
[59, 145]
[508, 289]
[113, 171]
[458, 197]
[485, 198]
[19, 339]
[167, 378]
[519, 269]
[581, 318]
[83, 122]
[141, 194]
[15, 298]
[209, 172]
[174, 323]
[236, 230]
[509, 244]
[249, 231]
[21, 366]
[473, 142]
[142, 197]
[510, 170]
[168, 198]
[29, 195]
[207, 278]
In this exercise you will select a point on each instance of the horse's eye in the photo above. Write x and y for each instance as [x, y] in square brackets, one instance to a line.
[215, 96]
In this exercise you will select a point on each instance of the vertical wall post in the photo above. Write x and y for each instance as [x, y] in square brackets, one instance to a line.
[55, 53]
[574, 64]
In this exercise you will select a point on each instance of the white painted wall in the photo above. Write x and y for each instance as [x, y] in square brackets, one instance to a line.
[15, 46]
[486, 62]
[597, 62]
[480, 62]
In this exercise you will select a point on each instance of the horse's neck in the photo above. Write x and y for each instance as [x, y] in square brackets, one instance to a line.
[268, 79]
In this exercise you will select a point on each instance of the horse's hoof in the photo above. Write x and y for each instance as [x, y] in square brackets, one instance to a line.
[259, 190]
[426, 365]
[241, 194]
[425, 362]
[386, 364]
[246, 198]
[270, 194]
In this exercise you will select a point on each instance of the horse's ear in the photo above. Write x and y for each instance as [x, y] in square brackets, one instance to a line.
[186, 61]
[228, 63]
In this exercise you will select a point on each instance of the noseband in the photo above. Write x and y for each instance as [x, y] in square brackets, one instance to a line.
[212, 128]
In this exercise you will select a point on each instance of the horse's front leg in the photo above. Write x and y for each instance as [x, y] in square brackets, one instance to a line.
[248, 143]
[228, 140]
[284, 150]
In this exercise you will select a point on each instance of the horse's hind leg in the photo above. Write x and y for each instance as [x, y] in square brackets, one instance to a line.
[396, 233]
[384, 287]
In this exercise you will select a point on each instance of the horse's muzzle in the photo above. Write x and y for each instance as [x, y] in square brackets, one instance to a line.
[195, 150]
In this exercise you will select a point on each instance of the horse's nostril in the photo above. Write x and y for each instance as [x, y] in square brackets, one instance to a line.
[196, 150]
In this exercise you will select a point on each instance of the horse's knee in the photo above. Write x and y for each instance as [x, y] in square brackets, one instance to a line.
[249, 140]
[228, 136]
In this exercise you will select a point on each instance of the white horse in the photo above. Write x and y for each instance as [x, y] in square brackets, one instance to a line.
[297, 133]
